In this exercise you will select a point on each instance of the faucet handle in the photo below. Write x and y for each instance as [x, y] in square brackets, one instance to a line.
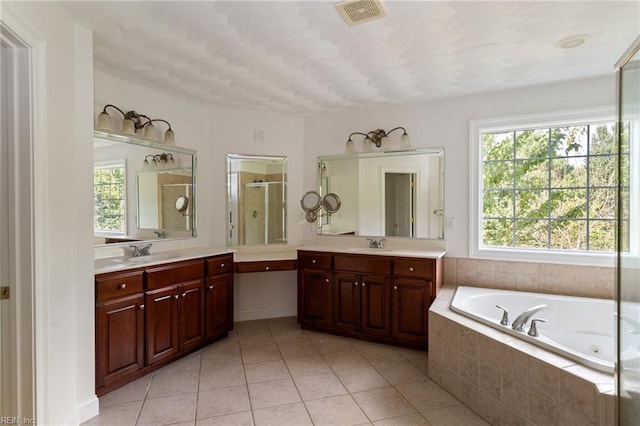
[381, 243]
[533, 330]
[505, 315]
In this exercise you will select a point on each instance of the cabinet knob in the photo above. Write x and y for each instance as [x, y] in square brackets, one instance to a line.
[222, 265]
[364, 284]
[267, 268]
[411, 268]
[176, 296]
[122, 286]
[184, 294]
[395, 287]
[141, 307]
[327, 280]
[210, 287]
[313, 261]
[356, 282]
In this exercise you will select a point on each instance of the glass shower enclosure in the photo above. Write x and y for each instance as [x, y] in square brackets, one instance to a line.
[628, 279]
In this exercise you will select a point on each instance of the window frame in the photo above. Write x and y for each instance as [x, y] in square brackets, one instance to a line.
[112, 164]
[552, 119]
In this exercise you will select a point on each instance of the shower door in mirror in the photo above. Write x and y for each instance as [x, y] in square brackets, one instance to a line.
[256, 200]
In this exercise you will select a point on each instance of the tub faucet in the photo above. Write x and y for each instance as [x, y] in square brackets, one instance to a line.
[521, 321]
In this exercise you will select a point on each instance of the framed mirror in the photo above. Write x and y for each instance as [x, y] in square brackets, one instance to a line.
[137, 188]
[256, 200]
[383, 194]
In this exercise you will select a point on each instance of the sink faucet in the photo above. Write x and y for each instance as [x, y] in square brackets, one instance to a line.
[376, 243]
[161, 234]
[519, 323]
[141, 250]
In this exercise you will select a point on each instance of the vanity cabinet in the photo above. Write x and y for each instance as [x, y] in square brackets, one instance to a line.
[219, 296]
[373, 297]
[315, 289]
[119, 326]
[175, 309]
[148, 317]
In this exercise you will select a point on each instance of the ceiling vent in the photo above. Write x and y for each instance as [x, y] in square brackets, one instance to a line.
[360, 11]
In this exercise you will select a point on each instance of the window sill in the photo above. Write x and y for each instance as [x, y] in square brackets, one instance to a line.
[546, 256]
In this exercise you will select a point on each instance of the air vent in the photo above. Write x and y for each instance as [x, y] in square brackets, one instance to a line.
[360, 11]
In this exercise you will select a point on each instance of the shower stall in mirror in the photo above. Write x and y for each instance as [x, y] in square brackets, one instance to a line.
[256, 200]
[628, 280]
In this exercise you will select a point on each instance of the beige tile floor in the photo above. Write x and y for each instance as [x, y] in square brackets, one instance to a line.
[270, 372]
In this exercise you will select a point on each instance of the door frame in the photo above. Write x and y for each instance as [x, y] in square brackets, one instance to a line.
[27, 215]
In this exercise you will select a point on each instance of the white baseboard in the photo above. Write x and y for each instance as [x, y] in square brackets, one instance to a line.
[88, 409]
[255, 314]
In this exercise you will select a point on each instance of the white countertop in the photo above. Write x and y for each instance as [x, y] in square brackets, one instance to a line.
[120, 263]
[431, 254]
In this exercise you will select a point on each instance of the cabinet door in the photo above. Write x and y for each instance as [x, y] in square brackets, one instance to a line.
[375, 305]
[119, 338]
[346, 308]
[219, 305]
[315, 287]
[191, 314]
[162, 323]
[411, 299]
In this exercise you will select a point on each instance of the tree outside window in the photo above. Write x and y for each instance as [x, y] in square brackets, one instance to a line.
[109, 199]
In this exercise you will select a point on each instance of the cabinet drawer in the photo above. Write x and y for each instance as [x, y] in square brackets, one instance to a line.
[362, 263]
[111, 286]
[314, 260]
[220, 265]
[173, 273]
[414, 267]
[266, 266]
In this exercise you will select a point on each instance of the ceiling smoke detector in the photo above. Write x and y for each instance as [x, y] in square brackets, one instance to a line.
[360, 11]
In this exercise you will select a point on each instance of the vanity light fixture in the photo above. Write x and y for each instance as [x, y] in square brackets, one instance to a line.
[159, 162]
[132, 122]
[378, 137]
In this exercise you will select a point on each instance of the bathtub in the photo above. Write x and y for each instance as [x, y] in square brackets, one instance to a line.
[578, 328]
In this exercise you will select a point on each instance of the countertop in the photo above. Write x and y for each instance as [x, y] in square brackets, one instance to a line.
[431, 254]
[240, 255]
[121, 263]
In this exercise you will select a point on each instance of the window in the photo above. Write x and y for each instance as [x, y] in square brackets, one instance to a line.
[109, 199]
[547, 188]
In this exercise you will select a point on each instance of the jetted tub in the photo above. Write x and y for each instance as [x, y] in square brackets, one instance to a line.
[578, 328]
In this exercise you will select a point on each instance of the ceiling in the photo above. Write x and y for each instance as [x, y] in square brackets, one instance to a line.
[300, 58]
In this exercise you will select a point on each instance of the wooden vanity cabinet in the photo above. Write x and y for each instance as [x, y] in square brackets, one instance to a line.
[175, 309]
[148, 317]
[362, 294]
[381, 298]
[416, 282]
[315, 289]
[219, 297]
[119, 326]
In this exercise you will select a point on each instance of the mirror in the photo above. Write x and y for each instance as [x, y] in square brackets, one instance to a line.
[142, 190]
[383, 194]
[256, 199]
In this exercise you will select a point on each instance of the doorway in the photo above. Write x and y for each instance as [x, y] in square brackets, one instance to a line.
[400, 196]
[17, 391]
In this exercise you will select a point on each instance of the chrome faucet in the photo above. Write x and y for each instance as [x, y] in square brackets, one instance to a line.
[521, 321]
[141, 250]
[161, 234]
[376, 243]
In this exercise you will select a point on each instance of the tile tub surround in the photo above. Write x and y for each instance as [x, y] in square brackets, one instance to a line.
[270, 372]
[568, 280]
[509, 381]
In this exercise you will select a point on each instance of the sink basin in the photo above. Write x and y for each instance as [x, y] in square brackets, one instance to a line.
[369, 250]
[151, 258]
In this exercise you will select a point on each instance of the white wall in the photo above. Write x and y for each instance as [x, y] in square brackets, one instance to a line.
[64, 267]
[446, 123]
